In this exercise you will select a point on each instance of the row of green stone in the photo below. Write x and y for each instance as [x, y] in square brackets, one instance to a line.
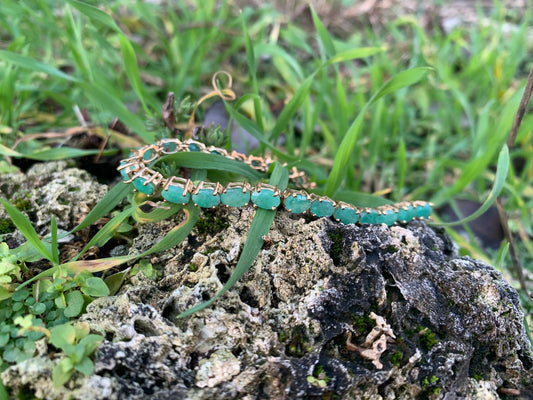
[207, 194]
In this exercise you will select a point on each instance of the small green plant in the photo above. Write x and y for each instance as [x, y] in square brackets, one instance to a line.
[428, 339]
[75, 341]
[319, 377]
[144, 266]
[426, 382]
[78, 345]
[10, 271]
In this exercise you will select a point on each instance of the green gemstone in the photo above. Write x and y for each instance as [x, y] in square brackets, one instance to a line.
[265, 198]
[346, 215]
[205, 198]
[423, 211]
[406, 215]
[148, 154]
[324, 208]
[148, 189]
[170, 147]
[389, 217]
[297, 204]
[370, 217]
[194, 147]
[124, 172]
[235, 197]
[174, 194]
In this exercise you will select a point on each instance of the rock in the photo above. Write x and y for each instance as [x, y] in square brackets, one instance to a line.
[326, 311]
[51, 189]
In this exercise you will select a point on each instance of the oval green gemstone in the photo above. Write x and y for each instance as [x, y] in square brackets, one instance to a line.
[124, 172]
[406, 215]
[148, 154]
[265, 199]
[297, 204]
[424, 211]
[174, 194]
[389, 217]
[324, 208]
[148, 189]
[205, 198]
[194, 147]
[370, 217]
[170, 147]
[346, 215]
[235, 197]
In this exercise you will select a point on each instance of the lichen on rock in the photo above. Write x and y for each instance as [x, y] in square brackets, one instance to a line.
[51, 189]
[455, 326]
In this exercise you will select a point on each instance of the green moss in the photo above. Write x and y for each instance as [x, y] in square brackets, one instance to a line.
[391, 249]
[193, 267]
[335, 250]
[210, 224]
[22, 204]
[362, 324]
[428, 339]
[6, 226]
[396, 358]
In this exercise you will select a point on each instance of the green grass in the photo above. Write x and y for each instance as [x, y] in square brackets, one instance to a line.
[406, 113]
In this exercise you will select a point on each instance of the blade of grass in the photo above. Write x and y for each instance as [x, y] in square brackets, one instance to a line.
[156, 214]
[54, 247]
[348, 143]
[250, 57]
[96, 15]
[30, 63]
[25, 227]
[499, 181]
[199, 160]
[107, 231]
[402, 167]
[126, 48]
[132, 70]
[302, 92]
[254, 241]
[171, 239]
[100, 96]
[73, 30]
[114, 196]
[326, 43]
[177, 234]
[57, 153]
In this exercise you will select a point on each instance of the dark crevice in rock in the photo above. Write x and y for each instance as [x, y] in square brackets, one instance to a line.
[247, 297]
[145, 327]
[222, 273]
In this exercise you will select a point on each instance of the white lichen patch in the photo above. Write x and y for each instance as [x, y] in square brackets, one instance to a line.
[222, 366]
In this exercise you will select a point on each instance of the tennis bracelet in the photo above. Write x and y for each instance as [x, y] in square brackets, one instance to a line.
[178, 190]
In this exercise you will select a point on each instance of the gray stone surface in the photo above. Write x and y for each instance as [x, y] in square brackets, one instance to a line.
[326, 310]
[51, 189]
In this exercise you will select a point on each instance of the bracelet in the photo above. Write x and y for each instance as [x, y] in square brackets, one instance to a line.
[178, 190]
